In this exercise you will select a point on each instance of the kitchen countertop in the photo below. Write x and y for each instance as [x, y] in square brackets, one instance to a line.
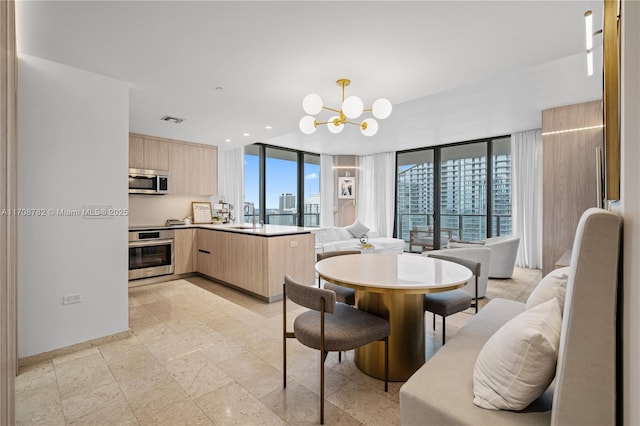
[246, 228]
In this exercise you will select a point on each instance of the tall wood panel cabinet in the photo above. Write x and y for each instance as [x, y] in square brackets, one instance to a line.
[570, 137]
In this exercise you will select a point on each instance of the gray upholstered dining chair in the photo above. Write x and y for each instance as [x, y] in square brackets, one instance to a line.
[343, 294]
[330, 327]
[453, 301]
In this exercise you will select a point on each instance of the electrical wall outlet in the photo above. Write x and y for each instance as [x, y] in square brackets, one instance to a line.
[71, 298]
[293, 244]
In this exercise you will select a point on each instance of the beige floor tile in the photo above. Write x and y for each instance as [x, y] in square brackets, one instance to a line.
[82, 375]
[75, 356]
[116, 413]
[124, 349]
[234, 405]
[297, 405]
[39, 406]
[196, 374]
[252, 373]
[35, 376]
[139, 375]
[85, 403]
[365, 406]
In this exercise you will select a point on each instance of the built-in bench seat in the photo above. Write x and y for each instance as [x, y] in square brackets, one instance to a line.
[584, 390]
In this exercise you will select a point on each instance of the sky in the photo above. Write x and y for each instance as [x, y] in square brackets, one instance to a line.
[280, 178]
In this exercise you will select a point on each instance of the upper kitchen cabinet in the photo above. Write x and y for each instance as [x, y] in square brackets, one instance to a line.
[146, 152]
[193, 168]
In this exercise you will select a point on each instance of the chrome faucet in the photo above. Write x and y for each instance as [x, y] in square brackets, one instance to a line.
[250, 210]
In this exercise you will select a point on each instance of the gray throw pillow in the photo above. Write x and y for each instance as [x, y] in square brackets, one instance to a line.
[357, 229]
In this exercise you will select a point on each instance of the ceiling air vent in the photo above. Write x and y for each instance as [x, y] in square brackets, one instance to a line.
[174, 120]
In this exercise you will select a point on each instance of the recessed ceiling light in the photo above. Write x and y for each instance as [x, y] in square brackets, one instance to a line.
[219, 89]
[227, 140]
[268, 127]
[246, 134]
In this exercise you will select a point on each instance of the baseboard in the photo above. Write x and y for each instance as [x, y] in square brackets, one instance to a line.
[47, 356]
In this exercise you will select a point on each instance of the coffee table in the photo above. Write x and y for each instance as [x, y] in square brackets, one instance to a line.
[392, 286]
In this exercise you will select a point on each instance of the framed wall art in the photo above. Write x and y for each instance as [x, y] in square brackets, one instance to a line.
[346, 187]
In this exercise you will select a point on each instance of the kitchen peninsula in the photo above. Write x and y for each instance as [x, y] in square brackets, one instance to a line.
[251, 259]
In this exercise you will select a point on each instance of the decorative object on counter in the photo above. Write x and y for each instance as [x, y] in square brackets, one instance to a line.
[201, 212]
[222, 212]
[187, 221]
[347, 187]
[175, 222]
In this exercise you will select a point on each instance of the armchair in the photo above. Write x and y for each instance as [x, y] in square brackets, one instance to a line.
[503, 253]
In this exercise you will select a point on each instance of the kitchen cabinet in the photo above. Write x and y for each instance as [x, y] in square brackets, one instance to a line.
[148, 153]
[185, 251]
[193, 168]
[205, 241]
[256, 263]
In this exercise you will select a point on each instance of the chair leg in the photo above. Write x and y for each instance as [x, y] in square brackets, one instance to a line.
[322, 357]
[476, 294]
[339, 356]
[386, 364]
[284, 336]
[434, 321]
[443, 328]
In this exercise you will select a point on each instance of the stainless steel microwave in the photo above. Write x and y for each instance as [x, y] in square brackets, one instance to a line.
[143, 181]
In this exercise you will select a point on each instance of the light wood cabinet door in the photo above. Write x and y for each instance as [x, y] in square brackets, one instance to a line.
[205, 254]
[209, 168]
[184, 249]
[179, 169]
[136, 152]
[156, 154]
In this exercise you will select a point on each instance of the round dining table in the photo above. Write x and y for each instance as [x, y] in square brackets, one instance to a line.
[392, 286]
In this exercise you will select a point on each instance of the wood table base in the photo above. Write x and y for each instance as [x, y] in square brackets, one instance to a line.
[405, 313]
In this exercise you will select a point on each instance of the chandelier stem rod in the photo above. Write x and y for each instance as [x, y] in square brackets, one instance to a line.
[331, 109]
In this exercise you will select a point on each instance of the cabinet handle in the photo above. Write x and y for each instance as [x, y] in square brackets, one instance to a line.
[204, 251]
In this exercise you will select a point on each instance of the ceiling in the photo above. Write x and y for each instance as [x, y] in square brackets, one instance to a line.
[454, 70]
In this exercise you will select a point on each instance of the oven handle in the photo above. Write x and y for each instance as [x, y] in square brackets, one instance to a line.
[146, 243]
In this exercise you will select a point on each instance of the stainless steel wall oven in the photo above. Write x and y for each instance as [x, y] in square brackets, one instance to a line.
[151, 253]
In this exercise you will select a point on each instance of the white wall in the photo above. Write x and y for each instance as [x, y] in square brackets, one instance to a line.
[73, 152]
[630, 205]
[156, 209]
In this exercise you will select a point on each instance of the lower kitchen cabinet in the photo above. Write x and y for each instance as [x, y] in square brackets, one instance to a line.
[205, 252]
[254, 263]
[184, 249]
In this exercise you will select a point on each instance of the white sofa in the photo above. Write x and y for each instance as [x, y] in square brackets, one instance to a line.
[339, 238]
[584, 389]
[504, 250]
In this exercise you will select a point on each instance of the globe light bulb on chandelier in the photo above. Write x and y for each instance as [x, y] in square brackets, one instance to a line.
[351, 108]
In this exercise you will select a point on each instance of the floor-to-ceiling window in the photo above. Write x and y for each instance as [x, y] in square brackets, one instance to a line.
[283, 184]
[501, 200]
[415, 192]
[311, 203]
[463, 190]
[251, 181]
[459, 191]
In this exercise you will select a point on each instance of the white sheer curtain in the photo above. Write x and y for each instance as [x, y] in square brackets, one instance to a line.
[231, 179]
[376, 192]
[526, 158]
[326, 191]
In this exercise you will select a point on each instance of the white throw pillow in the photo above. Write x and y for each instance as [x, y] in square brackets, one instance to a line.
[357, 229]
[518, 363]
[327, 235]
[554, 284]
[343, 234]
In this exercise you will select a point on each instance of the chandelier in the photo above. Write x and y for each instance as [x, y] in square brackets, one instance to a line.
[351, 108]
